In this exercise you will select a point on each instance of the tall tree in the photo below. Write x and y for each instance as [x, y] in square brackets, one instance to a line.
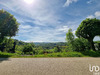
[88, 29]
[70, 37]
[8, 25]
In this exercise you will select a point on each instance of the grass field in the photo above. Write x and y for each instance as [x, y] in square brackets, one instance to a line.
[58, 54]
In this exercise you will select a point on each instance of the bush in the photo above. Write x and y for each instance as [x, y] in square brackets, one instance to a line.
[5, 55]
[81, 44]
[7, 45]
[91, 53]
[78, 44]
[64, 54]
[39, 52]
[57, 49]
[19, 49]
[28, 49]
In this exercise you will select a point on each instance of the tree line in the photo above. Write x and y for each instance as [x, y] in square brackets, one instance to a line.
[87, 30]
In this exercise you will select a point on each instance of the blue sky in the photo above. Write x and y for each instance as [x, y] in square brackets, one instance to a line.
[49, 20]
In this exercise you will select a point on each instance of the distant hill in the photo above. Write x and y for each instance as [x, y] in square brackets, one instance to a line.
[50, 45]
[47, 45]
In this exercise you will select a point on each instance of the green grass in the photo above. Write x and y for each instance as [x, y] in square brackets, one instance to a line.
[88, 53]
[91, 53]
[59, 54]
[63, 54]
[6, 55]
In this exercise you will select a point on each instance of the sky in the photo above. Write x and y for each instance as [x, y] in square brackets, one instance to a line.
[49, 20]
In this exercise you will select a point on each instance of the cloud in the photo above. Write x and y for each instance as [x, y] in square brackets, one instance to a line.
[43, 21]
[29, 33]
[68, 2]
[92, 1]
[95, 15]
[25, 26]
[89, 2]
[40, 14]
[38, 22]
[63, 29]
[90, 16]
[74, 31]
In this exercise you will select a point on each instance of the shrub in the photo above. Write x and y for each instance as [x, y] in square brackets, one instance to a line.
[7, 45]
[64, 54]
[57, 49]
[91, 53]
[28, 49]
[81, 44]
[19, 49]
[5, 55]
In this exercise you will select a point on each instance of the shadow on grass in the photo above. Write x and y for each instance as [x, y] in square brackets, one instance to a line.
[5, 56]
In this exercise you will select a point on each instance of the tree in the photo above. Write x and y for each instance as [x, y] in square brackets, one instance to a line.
[28, 49]
[88, 29]
[57, 49]
[14, 47]
[7, 45]
[8, 25]
[81, 44]
[76, 44]
[70, 37]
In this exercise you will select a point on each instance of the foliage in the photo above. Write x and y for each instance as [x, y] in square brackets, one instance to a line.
[97, 45]
[88, 29]
[81, 44]
[19, 49]
[19, 42]
[6, 55]
[91, 53]
[57, 49]
[97, 42]
[39, 52]
[76, 44]
[7, 45]
[28, 49]
[49, 45]
[62, 54]
[8, 24]
[70, 37]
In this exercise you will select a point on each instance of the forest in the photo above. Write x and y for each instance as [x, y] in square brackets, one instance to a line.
[80, 46]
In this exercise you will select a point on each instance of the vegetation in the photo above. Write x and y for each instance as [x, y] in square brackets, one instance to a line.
[73, 47]
[8, 25]
[88, 29]
[62, 54]
[7, 45]
[28, 49]
[5, 55]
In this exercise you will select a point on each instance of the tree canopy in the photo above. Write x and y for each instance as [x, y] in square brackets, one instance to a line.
[69, 36]
[8, 24]
[88, 29]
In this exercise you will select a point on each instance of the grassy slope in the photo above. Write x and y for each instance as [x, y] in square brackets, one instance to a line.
[59, 54]
[63, 54]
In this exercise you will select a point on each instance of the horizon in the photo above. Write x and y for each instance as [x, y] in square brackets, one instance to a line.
[49, 20]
